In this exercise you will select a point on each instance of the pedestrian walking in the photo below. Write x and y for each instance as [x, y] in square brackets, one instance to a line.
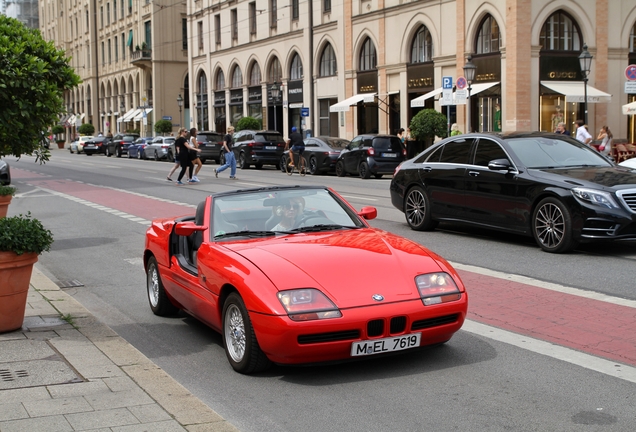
[606, 137]
[184, 156]
[582, 134]
[194, 155]
[176, 165]
[230, 160]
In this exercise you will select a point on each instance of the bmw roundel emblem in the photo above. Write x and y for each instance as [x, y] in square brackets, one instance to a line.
[377, 297]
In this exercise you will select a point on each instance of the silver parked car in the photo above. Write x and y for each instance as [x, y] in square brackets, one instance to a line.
[161, 148]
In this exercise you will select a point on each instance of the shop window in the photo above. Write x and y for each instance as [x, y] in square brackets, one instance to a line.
[422, 49]
[368, 59]
[328, 65]
[560, 33]
[296, 69]
[488, 38]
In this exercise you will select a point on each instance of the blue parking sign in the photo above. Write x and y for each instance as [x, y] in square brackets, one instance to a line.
[447, 82]
[304, 112]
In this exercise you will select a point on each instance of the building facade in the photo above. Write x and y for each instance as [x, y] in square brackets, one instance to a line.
[353, 67]
[131, 56]
[25, 11]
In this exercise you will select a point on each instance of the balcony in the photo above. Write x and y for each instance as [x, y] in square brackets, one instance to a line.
[141, 58]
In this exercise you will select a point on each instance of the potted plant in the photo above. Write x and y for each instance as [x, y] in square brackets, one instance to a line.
[58, 130]
[6, 194]
[22, 239]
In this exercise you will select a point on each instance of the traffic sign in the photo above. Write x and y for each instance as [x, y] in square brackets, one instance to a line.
[304, 112]
[461, 83]
[166, 118]
[461, 96]
[447, 83]
[630, 72]
[630, 87]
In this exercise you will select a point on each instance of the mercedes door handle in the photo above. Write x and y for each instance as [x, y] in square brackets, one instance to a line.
[473, 173]
[427, 169]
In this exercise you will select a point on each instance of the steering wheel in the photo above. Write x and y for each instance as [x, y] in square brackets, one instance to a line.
[319, 217]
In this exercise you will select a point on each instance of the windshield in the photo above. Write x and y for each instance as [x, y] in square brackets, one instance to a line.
[336, 143]
[270, 137]
[280, 212]
[546, 152]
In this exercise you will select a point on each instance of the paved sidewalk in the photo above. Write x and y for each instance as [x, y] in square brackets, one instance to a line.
[66, 371]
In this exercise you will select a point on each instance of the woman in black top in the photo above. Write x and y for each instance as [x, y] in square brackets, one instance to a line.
[184, 155]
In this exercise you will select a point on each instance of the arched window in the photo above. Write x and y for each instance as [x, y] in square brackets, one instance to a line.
[488, 38]
[296, 69]
[203, 83]
[275, 71]
[560, 33]
[328, 65]
[632, 40]
[237, 77]
[367, 56]
[255, 75]
[220, 81]
[422, 49]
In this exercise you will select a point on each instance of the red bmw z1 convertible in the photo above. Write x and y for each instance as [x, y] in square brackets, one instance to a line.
[294, 275]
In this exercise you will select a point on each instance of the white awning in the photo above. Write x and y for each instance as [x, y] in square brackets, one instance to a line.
[574, 91]
[128, 116]
[344, 105]
[480, 87]
[629, 109]
[71, 120]
[419, 101]
[140, 114]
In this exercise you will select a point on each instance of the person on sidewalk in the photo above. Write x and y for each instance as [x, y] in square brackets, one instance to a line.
[582, 134]
[194, 156]
[230, 160]
[184, 156]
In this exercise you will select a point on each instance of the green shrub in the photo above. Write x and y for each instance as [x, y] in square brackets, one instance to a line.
[57, 129]
[7, 190]
[22, 234]
[163, 126]
[427, 124]
[86, 129]
[248, 123]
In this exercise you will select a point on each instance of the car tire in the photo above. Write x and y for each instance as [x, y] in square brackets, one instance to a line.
[552, 226]
[107, 152]
[156, 156]
[139, 154]
[118, 152]
[241, 347]
[364, 171]
[129, 155]
[313, 166]
[169, 156]
[243, 161]
[202, 160]
[70, 149]
[89, 154]
[221, 160]
[378, 176]
[258, 166]
[417, 210]
[340, 169]
[157, 297]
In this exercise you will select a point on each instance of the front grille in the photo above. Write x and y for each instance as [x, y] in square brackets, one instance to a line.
[629, 198]
[398, 324]
[375, 328]
[328, 337]
[434, 322]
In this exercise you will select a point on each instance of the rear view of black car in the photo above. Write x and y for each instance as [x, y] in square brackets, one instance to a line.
[548, 186]
[371, 155]
[210, 144]
[119, 145]
[96, 145]
[258, 148]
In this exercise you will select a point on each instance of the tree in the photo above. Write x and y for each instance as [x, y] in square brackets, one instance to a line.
[86, 129]
[248, 123]
[33, 77]
[427, 124]
[163, 126]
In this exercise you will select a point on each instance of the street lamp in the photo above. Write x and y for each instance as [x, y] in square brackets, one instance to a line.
[585, 60]
[275, 90]
[180, 103]
[469, 74]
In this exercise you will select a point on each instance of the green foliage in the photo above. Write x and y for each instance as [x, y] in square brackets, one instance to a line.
[427, 124]
[248, 123]
[22, 234]
[33, 77]
[7, 190]
[86, 129]
[57, 129]
[163, 126]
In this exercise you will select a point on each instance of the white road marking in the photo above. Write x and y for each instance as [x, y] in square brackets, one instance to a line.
[588, 361]
[358, 197]
[250, 184]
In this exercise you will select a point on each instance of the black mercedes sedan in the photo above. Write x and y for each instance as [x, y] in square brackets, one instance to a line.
[547, 186]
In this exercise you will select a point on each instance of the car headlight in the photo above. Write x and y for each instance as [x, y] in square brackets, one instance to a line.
[437, 288]
[308, 304]
[594, 197]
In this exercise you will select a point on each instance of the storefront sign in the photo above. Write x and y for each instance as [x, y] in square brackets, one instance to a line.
[295, 92]
[420, 77]
[488, 68]
[559, 68]
[367, 82]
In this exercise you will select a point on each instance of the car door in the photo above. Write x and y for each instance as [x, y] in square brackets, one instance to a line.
[352, 157]
[443, 175]
[494, 197]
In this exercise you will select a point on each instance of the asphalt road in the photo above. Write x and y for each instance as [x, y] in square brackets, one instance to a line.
[474, 382]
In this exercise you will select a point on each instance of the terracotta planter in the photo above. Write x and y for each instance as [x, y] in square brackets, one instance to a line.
[15, 276]
[4, 204]
[60, 144]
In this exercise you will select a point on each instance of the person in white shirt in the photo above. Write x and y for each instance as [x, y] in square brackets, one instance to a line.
[582, 134]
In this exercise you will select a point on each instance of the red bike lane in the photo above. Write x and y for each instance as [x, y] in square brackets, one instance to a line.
[595, 327]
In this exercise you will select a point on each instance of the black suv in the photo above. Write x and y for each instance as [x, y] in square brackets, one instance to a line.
[119, 145]
[258, 148]
[96, 145]
[371, 154]
[210, 144]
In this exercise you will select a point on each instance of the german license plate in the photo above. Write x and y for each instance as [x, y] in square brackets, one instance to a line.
[389, 154]
[270, 147]
[390, 344]
[89, 145]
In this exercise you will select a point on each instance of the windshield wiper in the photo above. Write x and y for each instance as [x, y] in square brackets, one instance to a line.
[320, 227]
[246, 233]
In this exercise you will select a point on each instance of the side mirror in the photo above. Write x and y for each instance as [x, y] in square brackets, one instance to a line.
[368, 213]
[348, 147]
[187, 228]
[499, 165]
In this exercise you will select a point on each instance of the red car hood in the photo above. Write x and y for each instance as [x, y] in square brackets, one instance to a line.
[349, 266]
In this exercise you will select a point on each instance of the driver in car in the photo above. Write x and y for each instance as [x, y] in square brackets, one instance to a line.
[290, 213]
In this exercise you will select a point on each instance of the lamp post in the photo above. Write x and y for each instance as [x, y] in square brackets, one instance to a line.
[122, 107]
[180, 103]
[275, 90]
[469, 74]
[585, 60]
